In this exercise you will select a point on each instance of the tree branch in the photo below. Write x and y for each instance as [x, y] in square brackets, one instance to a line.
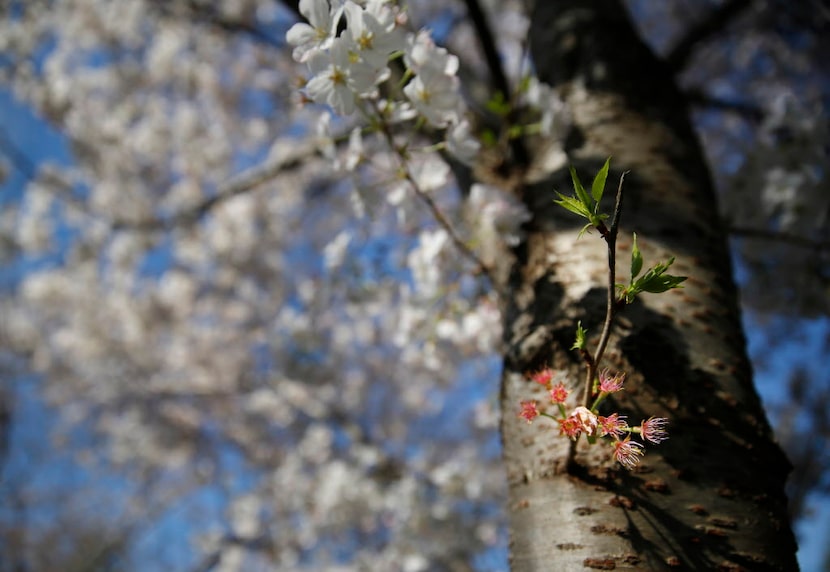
[785, 237]
[698, 98]
[207, 14]
[611, 306]
[439, 217]
[497, 75]
[242, 183]
[714, 22]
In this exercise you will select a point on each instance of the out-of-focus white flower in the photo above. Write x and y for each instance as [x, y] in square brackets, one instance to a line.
[429, 171]
[354, 153]
[245, 515]
[319, 34]
[496, 211]
[435, 95]
[335, 251]
[424, 263]
[554, 117]
[324, 140]
[396, 111]
[422, 54]
[435, 90]
[461, 143]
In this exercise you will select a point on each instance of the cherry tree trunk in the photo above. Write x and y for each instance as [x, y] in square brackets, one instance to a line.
[712, 497]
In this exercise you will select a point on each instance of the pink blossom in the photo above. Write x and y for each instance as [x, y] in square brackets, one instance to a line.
[608, 384]
[558, 393]
[570, 428]
[628, 452]
[529, 411]
[543, 377]
[654, 429]
[585, 419]
[612, 425]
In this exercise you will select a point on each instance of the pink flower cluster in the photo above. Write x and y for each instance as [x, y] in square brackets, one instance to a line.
[581, 419]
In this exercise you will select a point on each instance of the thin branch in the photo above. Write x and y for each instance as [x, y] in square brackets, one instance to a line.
[207, 13]
[698, 98]
[21, 161]
[468, 252]
[611, 307]
[714, 22]
[786, 237]
[244, 182]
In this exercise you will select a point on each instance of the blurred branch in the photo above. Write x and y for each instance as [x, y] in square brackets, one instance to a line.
[497, 75]
[257, 544]
[786, 237]
[714, 22]
[242, 183]
[21, 161]
[208, 14]
[16, 156]
[699, 98]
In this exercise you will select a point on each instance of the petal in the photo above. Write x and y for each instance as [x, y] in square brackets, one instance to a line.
[300, 33]
[318, 12]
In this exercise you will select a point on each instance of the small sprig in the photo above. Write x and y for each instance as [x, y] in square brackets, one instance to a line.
[585, 418]
[579, 342]
[654, 281]
[587, 205]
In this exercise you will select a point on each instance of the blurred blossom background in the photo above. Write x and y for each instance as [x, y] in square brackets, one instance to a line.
[223, 347]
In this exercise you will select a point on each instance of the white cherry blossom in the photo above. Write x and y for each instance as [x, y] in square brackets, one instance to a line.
[338, 80]
[461, 143]
[373, 32]
[435, 95]
[319, 34]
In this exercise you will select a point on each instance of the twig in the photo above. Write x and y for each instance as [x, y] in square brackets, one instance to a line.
[497, 75]
[482, 268]
[242, 183]
[611, 308]
[697, 97]
[789, 238]
[717, 20]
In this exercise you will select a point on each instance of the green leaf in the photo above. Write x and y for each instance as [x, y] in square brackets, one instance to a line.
[580, 191]
[498, 104]
[654, 281]
[662, 283]
[572, 205]
[579, 343]
[636, 259]
[489, 138]
[515, 131]
[585, 229]
[598, 186]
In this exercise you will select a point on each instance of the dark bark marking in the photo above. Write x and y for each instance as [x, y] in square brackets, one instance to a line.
[599, 563]
[723, 522]
[622, 502]
[605, 529]
[656, 486]
[698, 509]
